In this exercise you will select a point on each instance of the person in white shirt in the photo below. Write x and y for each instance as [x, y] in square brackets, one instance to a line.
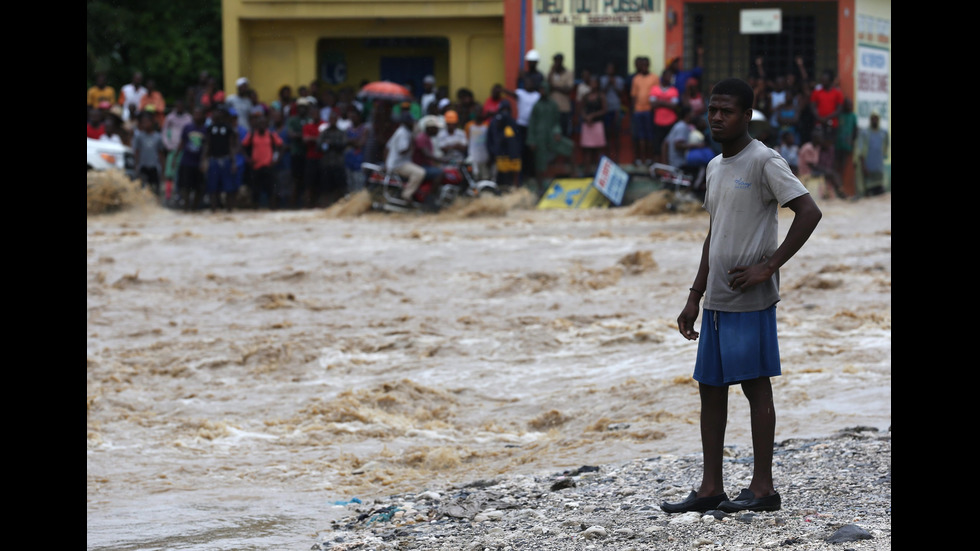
[399, 156]
[526, 98]
[451, 139]
[428, 93]
[131, 94]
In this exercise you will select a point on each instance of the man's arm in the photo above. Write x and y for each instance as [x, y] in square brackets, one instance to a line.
[233, 148]
[205, 152]
[685, 321]
[806, 216]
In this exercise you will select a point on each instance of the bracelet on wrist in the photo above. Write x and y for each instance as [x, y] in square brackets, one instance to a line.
[698, 291]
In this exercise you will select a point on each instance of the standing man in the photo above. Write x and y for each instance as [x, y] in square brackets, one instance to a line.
[642, 117]
[504, 147]
[827, 103]
[101, 92]
[739, 278]
[562, 81]
[221, 144]
[299, 118]
[526, 98]
[311, 172]
[332, 142]
[130, 95]
[241, 102]
[872, 152]
[664, 102]
[428, 94]
[531, 59]
[154, 102]
[262, 148]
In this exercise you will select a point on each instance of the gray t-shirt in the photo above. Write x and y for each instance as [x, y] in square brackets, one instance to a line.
[243, 106]
[146, 148]
[742, 197]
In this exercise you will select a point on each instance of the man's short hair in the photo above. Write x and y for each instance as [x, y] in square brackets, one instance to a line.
[738, 88]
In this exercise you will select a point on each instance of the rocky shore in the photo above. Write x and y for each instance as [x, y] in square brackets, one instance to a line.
[836, 494]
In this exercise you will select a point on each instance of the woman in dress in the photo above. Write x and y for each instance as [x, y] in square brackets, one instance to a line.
[592, 110]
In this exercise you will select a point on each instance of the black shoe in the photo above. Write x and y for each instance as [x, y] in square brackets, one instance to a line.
[694, 503]
[746, 501]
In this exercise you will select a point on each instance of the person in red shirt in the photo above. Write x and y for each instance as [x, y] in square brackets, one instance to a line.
[311, 170]
[827, 101]
[262, 150]
[96, 123]
[424, 153]
[492, 103]
[664, 102]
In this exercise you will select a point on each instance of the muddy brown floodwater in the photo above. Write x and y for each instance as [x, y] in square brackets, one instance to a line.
[246, 370]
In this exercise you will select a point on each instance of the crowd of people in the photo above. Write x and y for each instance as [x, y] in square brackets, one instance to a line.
[811, 123]
[304, 148]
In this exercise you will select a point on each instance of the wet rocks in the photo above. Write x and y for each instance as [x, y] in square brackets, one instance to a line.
[835, 490]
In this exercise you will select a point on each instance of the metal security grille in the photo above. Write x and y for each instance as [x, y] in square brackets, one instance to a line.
[779, 51]
[596, 46]
[809, 29]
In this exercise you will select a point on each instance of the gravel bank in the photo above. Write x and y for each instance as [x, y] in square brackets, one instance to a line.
[836, 495]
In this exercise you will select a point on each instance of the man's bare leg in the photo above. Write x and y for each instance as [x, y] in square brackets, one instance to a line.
[714, 419]
[763, 418]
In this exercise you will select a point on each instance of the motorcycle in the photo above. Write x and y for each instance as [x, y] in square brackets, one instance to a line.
[687, 187]
[458, 180]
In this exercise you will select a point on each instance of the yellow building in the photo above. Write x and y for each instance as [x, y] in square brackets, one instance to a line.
[344, 42]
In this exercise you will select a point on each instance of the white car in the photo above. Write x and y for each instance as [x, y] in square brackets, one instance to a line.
[107, 155]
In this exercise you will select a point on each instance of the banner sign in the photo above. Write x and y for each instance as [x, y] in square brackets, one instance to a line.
[761, 21]
[572, 193]
[595, 12]
[611, 180]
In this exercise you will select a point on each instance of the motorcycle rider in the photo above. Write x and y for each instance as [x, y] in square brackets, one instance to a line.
[424, 153]
[398, 156]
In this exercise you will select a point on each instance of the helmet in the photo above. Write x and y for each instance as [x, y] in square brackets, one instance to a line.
[532, 55]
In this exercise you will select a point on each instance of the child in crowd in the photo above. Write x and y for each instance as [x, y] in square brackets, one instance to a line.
[790, 151]
[148, 152]
[476, 136]
[808, 157]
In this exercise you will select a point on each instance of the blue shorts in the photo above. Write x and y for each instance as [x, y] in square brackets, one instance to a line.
[642, 124]
[737, 346]
[220, 177]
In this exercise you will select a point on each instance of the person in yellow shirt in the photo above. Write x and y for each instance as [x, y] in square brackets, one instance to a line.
[101, 92]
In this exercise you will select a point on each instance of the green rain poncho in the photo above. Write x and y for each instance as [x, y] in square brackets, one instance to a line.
[544, 132]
